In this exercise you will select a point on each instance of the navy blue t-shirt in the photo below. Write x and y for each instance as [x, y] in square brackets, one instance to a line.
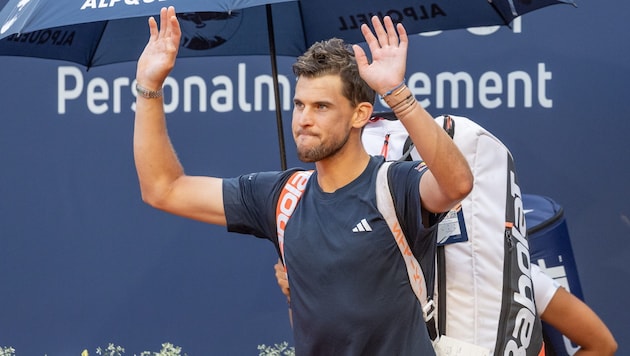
[350, 291]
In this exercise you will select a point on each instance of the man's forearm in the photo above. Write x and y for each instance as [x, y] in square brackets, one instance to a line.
[156, 162]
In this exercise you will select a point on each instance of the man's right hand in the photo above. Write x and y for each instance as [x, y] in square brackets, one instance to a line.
[158, 58]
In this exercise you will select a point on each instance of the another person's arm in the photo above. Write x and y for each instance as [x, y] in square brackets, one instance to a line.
[283, 281]
[163, 183]
[571, 316]
[577, 321]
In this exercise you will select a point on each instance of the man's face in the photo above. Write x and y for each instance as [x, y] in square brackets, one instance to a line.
[321, 117]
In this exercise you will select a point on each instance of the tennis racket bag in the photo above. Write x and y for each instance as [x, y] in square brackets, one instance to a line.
[485, 298]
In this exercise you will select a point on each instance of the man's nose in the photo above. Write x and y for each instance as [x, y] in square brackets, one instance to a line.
[305, 117]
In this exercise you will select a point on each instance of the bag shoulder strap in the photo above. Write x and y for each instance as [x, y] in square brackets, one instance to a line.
[449, 126]
[287, 202]
[385, 204]
[407, 148]
[435, 328]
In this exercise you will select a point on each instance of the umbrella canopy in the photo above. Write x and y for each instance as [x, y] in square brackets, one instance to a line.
[96, 38]
[99, 32]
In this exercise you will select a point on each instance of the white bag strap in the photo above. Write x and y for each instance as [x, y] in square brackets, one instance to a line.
[385, 204]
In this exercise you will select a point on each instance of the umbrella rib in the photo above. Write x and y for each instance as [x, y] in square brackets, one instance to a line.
[299, 5]
[507, 22]
[90, 58]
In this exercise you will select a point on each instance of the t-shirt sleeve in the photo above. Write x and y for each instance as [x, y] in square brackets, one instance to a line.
[544, 288]
[249, 202]
[404, 180]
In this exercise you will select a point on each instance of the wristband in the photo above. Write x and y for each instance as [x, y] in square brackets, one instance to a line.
[148, 94]
[399, 86]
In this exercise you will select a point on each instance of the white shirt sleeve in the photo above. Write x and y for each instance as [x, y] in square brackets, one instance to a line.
[544, 288]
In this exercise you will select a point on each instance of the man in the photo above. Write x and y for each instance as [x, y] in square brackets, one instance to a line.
[554, 304]
[351, 294]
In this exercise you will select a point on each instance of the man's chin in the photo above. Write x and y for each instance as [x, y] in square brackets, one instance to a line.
[306, 158]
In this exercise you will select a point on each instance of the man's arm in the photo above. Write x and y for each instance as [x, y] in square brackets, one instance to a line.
[163, 183]
[574, 319]
[449, 179]
[283, 283]
[282, 279]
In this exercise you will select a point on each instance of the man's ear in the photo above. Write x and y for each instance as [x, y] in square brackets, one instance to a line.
[362, 114]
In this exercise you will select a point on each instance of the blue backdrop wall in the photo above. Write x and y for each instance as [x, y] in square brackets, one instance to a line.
[83, 262]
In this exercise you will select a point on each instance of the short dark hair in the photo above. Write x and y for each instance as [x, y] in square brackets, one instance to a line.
[335, 57]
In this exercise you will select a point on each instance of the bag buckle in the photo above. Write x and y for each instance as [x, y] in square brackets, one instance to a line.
[428, 310]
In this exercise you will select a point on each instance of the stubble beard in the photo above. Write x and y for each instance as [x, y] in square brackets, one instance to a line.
[322, 151]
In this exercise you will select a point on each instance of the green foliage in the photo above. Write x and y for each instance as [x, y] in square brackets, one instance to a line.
[282, 349]
[169, 349]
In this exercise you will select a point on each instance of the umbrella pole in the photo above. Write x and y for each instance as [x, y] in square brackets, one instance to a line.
[276, 89]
